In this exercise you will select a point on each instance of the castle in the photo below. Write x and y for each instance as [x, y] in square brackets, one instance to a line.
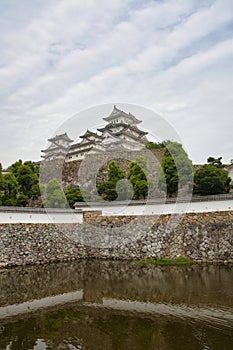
[120, 133]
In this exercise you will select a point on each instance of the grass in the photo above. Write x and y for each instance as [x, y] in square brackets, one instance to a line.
[162, 261]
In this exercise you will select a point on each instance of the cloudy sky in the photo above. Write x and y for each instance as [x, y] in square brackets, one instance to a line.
[59, 57]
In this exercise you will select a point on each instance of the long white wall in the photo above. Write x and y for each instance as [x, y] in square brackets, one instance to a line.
[70, 216]
[158, 209]
[43, 218]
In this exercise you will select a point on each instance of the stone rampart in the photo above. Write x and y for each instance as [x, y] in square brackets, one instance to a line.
[204, 237]
[68, 172]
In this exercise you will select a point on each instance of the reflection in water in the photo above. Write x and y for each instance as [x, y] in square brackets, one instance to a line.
[116, 305]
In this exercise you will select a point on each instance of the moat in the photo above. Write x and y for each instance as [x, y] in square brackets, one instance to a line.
[116, 305]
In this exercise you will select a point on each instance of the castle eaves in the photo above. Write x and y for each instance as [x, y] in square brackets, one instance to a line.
[64, 137]
[117, 113]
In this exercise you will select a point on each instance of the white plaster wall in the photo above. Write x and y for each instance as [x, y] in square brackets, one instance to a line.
[113, 209]
[43, 218]
[157, 209]
[74, 157]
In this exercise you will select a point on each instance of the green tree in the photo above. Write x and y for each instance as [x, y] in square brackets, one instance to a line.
[35, 168]
[10, 188]
[154, 145]
[140, 189]
[27, 175]
[115, 173]
[215, 161]
[54, 195]
[138, 177]
[73, 195]
[22, 200]
[107, 189]
[35, 191]
[211, 179]
[26, 179]
[14, 167]
[124, 189]
[175, 170]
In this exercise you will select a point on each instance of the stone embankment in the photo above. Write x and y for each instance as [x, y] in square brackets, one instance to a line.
[68, 172]
[203, 237]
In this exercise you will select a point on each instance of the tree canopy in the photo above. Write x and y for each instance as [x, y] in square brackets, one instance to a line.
[155, 145]
[121, 187]
[21, 184]
[176, 169]
[138, 177]
[107, 189]
[10, 188]
[54, 195]
[215, 161]
[211, 178]
[74, 195]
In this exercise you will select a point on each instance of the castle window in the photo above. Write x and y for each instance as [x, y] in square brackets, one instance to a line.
[70, 157]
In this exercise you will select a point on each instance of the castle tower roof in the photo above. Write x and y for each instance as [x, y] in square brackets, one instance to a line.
[64, 137]
[117, 114]
[89, 133]
[120, 127]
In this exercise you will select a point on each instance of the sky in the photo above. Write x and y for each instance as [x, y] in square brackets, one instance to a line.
[61, 57]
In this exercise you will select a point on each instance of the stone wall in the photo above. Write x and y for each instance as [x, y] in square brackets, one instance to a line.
[68, 172]
[204, 237]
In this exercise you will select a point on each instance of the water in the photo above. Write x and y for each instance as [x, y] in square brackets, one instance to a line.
[116, 305]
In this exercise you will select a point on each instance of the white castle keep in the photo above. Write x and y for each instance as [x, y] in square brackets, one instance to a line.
[120, 133]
